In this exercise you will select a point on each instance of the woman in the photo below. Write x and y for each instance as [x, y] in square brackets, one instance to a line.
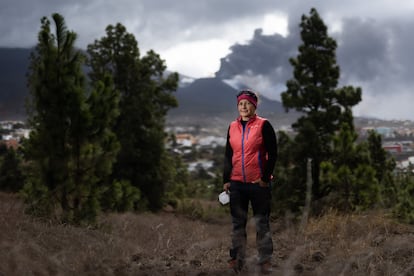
[250, 158]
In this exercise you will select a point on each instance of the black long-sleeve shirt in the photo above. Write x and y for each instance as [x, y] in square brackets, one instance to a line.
[270, 144]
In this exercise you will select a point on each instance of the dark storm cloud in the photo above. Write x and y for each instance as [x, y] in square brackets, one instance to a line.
[374, 51]
[21, 19]
[378, 55]
[363, 49]
[375, 55]
[264, 55]
[402, 45]
[163, 21]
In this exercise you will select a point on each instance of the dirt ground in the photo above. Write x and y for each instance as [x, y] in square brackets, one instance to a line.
[172, 244]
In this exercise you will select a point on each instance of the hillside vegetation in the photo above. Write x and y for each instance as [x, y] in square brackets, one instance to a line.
[168, 243]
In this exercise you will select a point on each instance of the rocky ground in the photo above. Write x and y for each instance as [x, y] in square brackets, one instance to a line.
[171, 244]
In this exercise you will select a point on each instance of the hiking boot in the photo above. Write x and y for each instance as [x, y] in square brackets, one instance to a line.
[236, 265]
[266, 267]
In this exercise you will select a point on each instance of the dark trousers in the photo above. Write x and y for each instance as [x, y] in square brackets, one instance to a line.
[260, 198]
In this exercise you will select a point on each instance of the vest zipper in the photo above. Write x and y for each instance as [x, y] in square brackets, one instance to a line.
[243, 172]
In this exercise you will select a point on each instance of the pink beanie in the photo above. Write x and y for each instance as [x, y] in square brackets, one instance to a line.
[250, 98]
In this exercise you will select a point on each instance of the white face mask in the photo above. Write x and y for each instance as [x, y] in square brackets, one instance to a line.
[224, 198]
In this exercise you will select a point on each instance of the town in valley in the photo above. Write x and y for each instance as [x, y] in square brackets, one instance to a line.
[397, 138]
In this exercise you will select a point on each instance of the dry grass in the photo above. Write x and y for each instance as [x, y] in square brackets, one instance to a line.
[170, 244]
[367, 244]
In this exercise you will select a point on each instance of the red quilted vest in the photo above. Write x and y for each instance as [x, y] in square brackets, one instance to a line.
[249, 155]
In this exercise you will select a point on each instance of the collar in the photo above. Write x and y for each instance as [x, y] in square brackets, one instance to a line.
[239, 119]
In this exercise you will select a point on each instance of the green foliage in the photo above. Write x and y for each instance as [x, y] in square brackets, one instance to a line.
[191, 208]
[347, 178]
[195, 186]
[287, 188]
[71, 147]
[177, 180]
[38, 198]
[384, 166]
[404, 208]
[313, 91]
[121, 196]
[3, 150]
[145, 100]
[366, 192]
[11, 174]
[380, 161]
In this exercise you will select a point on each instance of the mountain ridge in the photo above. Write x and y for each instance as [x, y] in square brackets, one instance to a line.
[14, 64]
[203, 97]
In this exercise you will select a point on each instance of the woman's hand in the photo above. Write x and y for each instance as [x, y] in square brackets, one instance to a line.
[226, 187]
[261, 183]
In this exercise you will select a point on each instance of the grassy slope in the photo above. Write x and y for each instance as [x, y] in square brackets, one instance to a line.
[170, 244]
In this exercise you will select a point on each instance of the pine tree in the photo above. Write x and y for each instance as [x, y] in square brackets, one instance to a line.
[286, 195]
[384, 165]
[347, 179]
[313, 92]
[404, 207]
[71, 147]
[145, 100]
[11, 174]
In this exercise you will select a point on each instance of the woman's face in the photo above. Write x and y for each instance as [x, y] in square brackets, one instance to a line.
[246, 109]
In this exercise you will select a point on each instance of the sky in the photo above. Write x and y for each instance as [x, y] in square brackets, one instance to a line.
[245, 41]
